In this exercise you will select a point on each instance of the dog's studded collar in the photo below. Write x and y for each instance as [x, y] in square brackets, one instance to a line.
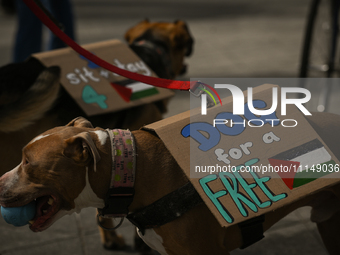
[120, 194]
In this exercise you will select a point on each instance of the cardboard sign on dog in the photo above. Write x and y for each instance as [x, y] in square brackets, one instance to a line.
[97, 90]
[256, 164]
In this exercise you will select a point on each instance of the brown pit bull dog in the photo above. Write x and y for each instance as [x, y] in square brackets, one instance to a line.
[54, 160]
[32, 100]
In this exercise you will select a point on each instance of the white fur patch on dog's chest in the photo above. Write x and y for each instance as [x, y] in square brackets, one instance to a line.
[87, 198]
[152, 239]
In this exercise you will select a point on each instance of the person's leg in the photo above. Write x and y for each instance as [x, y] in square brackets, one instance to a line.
[29, 33]
[62, 10]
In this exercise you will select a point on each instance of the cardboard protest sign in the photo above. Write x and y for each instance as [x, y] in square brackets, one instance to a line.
[97, 90]
[247, 165]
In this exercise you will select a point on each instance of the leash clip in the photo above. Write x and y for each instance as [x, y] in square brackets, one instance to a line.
[105, 228]
[199, 89]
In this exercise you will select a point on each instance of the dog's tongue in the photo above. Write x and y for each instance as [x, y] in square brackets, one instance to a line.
[45, 207]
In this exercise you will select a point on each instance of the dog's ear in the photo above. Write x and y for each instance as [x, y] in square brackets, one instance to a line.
[80, 122]
[82, 149]
[136, 31]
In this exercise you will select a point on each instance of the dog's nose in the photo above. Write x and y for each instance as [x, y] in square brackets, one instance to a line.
[2, 183]
[8, 180]
[2, 189]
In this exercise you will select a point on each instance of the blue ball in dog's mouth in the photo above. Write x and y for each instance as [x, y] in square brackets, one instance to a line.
[19, 216]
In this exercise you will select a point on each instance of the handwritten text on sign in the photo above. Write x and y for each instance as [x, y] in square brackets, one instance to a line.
[233, 180]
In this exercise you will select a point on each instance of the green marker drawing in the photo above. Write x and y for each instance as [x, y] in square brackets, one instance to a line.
[90, 96]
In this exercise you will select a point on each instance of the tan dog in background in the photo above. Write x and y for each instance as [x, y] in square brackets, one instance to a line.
[38, 102]
[172, 42]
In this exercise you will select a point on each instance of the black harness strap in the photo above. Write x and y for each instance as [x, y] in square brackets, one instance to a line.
[166, 209]
[176, 203]
[117, 201]
[251, 230]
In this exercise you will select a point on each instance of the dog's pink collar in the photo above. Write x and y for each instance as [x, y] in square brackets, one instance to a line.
[120, 194]
[123, 158]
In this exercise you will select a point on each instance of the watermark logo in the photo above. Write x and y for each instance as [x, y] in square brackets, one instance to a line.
[239, 101]
[255, 113]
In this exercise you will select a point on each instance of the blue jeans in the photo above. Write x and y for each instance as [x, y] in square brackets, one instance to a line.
[29, 34]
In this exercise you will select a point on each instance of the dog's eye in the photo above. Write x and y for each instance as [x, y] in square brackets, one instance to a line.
[26, 162]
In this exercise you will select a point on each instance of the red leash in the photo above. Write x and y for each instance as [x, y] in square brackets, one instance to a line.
[157, 82]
